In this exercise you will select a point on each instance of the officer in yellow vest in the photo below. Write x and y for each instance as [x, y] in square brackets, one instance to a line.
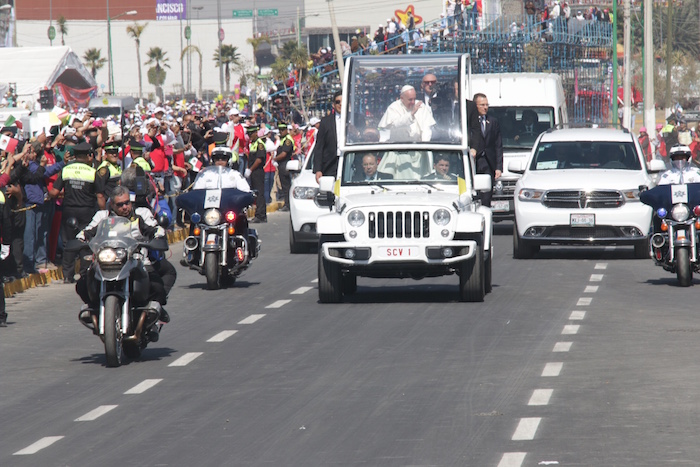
[77, 181]
[256, 173]
[108, 175]
[137, 157]
[285, 150]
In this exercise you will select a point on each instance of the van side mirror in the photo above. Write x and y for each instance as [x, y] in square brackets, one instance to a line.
[482, 182]
[517, 167]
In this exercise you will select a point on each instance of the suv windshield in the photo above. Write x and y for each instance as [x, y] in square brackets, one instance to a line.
[392, 167]
[520, 126]
[585, 155]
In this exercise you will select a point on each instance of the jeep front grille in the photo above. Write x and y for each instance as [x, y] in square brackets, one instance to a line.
[399, 224]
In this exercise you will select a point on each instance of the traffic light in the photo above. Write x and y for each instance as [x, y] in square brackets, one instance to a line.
[46, 99]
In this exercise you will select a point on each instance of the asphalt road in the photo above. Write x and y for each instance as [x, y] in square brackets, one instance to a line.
[579, 357]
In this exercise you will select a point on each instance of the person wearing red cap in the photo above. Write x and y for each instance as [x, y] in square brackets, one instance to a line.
[645, 144]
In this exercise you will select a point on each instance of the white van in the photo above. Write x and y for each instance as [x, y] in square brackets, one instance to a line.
[512, 95]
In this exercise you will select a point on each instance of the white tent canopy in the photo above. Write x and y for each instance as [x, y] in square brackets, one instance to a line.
[37, 68]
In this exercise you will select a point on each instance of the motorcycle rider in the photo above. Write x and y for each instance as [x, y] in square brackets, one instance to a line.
[681, 171]
[222, 156]
[120, 204]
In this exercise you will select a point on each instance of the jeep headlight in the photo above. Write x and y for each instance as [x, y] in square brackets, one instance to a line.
[356, 218]
[680, 212]
[528, 194]
[442, 217]
[212, 216]
[111, 255]
[304, 192]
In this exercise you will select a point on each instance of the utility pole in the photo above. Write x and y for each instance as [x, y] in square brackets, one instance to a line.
[218, 32]
[336, 40]
[649, 113]
[669, 51]
[613, 91]
[626, 80]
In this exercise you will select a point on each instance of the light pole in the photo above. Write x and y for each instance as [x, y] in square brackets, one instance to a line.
[109, 45]
[299, 18]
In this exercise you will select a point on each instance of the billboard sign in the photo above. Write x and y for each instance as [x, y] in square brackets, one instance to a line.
[171, 10]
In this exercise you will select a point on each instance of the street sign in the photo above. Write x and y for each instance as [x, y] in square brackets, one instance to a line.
[188, 32]
[52, 33]
[267, 12]
[221, 34]
[242, 13]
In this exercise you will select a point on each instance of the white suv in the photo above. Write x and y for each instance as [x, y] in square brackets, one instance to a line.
[303, 207]
[581, 186]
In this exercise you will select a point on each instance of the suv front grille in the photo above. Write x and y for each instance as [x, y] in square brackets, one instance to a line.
[579, 199]
[508, 188]
[399, 224]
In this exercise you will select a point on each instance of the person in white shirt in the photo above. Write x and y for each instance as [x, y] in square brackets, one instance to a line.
[222, 177]
[681, 171]
[407, 120]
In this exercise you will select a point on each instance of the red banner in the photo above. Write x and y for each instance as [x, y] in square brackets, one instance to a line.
[74, 98]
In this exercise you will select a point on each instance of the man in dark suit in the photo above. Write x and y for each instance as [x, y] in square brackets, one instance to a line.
[490, 159]
[440, 100]
[476, 139]
[369, 170]
[325, 153]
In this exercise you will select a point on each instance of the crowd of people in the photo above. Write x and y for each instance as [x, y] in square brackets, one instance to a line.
[675, 132]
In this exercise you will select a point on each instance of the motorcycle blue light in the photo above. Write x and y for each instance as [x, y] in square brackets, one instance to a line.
[196, 218]
[661, 212]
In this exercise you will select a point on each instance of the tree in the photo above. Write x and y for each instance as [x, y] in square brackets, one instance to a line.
[135, 32]
[305, 84]
[255, 43]
[157, 73]
[62, 28]
[93, 60]
[195, 49]
[227, 56]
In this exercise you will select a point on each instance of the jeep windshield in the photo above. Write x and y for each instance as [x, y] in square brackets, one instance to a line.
[520, 126]
[585, 155]
[397, 99]
[385, 168]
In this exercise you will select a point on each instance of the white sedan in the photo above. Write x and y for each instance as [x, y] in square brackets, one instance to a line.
[581, 186]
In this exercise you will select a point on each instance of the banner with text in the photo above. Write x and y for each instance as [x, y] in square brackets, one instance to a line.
[171, 10]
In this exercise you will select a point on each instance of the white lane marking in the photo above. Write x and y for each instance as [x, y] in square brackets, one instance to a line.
[540, 397]
[278, 304]
[314, 281]
[597, 277]
[562, 347]
[512, 459]
[250, 319]
[571, 329]
[222, 336]
[577, 315]
[601, 266]
[96, 413]
[301, 290]
[143, 386]
[185, 359]
[590, 289]
[552, 369]
[584, 301]
[38, 446]
[527, 427]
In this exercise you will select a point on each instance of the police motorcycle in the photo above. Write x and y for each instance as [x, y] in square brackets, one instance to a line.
[126, 320]
[674, 245]
[220, 245]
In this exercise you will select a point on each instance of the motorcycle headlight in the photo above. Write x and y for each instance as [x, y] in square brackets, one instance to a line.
[442, 217]
[528, 194]
[304, 192]
[111, 255]
[212, 216]
[680, 212]
[356, 218]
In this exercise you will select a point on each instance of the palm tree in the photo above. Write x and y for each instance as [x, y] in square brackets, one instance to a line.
[228, 55]
[93, 60]
[255, 43]
[157, 73]
[194, 48]
[307, 84]
[135, 32]
[62, 28]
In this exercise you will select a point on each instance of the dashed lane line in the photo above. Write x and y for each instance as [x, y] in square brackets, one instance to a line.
[584, 301]
[596, 277]
[251, 319]
[527, 428]
[314, 281]
[186, 359]
[552, 369]
[590, 289]
[143, 386]
[278, 304]
[577, 315]
[301, 290]
[540, 397]
[512, 459]
[562, 347]
[222, 336]
[571, 329]
[96, 413]
[601, 266]
[38, 446]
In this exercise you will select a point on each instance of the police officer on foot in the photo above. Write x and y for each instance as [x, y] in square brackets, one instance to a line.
[77, 180]
[138, 157]
[108, 175]
[256, 173]
[285, 150]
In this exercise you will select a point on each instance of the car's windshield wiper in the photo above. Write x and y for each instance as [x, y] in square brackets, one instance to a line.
[431, 186]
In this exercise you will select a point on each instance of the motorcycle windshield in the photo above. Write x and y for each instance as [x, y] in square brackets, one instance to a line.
[116, 232]
[214, 177]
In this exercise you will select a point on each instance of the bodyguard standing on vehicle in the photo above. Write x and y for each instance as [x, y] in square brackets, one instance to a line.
[489, 160]
[77, 180]
[256, 173]
[326, 150]
[285, 150]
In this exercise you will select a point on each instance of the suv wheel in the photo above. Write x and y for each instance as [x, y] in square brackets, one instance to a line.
[521, 249]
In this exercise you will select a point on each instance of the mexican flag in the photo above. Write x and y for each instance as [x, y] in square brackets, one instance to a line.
[195, 163]
[10, 120]
[7, 143]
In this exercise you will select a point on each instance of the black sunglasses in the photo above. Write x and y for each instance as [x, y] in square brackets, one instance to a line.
[121, 205]
[338, 101]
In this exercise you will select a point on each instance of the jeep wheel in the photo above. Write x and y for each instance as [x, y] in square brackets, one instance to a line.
[329, 280]
[471, 277]
[521, 248]
[349, 282]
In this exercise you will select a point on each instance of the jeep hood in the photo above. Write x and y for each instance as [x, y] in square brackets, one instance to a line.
[400, 198]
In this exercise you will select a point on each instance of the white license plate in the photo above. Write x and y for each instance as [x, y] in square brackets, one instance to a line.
[582, 220]
[396, 252]
[500, 206]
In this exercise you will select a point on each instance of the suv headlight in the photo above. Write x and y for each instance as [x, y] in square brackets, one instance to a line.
[111, 255]
[680, 212]
[356, 218]
[304, 192]
[442, 217]
[212, 216]
[529, 194]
